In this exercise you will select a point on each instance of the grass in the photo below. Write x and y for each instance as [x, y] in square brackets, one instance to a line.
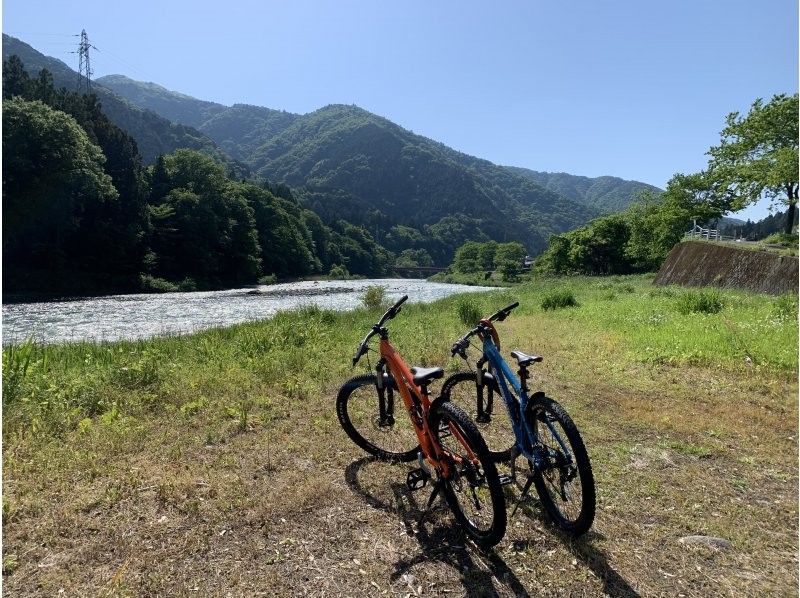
[558, 299]
[706, 301]
[214, 463]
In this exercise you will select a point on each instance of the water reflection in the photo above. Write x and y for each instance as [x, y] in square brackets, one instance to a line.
[140, 316]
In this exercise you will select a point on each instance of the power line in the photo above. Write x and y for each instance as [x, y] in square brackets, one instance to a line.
[15, 34]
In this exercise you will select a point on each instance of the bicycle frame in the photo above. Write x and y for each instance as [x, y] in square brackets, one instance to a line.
[418, 406]
[526, 439]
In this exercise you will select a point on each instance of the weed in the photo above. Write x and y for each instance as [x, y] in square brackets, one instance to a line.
[374, 297]
[706, 301]
[687, 448]
[784, 307]
[16, 361]
[240, 411]
[558, 299]
[468, 310]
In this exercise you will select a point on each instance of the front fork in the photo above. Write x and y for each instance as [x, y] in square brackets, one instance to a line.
[385, 396]
[484, 408]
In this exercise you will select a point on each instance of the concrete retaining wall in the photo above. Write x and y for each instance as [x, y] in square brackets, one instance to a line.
[699, 264]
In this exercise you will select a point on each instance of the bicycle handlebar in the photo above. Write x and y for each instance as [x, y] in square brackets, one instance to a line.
[502, 314]
[390, 313]
[460, 346]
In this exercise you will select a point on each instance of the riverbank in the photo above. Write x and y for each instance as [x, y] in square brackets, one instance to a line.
[141, 316]
[215, 462]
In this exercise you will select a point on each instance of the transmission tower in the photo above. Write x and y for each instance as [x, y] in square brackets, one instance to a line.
[84, 66]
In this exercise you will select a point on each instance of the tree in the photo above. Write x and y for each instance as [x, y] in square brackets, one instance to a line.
[656, 222]
[758, 156]
[413, 258]
[467, 258]
[52, 179]
[508, 259]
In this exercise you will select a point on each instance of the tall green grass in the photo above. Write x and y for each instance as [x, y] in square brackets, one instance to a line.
[303, 355]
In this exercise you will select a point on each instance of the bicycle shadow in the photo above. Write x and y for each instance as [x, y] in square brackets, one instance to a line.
[614, 585]
[444, 543]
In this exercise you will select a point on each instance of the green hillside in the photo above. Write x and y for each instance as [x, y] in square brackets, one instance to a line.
[605, 193]
[408, 191]
[348, 163]
[372, 165]
[239, 129]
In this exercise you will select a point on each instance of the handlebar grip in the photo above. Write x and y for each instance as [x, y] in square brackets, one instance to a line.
[362, 348]
[502, 314]
[392, 311]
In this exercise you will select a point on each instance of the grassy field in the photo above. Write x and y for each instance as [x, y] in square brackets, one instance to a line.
[214, 464]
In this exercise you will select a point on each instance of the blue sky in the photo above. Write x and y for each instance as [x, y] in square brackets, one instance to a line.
[631, 89]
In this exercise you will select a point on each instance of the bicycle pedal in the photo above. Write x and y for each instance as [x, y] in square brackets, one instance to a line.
[506, 479]
[417, 479]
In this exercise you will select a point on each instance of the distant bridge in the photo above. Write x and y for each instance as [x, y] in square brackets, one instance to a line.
[417, 271]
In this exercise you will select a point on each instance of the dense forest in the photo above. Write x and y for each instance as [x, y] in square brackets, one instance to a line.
[81, 213]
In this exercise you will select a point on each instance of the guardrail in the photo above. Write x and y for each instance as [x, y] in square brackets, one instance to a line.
[709, 234]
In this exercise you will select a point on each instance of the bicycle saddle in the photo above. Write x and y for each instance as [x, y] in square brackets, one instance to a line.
[424, 376]
[524, 359]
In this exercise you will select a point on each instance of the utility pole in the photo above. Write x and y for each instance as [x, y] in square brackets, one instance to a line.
[84, 66]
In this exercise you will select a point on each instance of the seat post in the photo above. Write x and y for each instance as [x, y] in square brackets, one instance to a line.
[523, 378]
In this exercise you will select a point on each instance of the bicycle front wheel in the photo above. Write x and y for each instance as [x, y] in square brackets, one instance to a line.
[472, 490]
[485, 406]
[564, 479]
[380, 427]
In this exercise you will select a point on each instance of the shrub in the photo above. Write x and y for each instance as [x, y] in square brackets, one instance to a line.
[559, 300]
[268, 279]
[784, 307]
[374, 297]
[781, 239]
[468, 311]
[338, 272]
[707, 301]
[187, 284]
[151, 284]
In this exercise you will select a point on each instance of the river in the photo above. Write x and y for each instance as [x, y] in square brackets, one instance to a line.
[118, 317]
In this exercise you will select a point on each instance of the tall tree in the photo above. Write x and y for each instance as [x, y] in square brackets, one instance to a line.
[758, 156]
[53, 182]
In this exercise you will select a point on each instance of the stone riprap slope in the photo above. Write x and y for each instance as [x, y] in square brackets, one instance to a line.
[698, 264]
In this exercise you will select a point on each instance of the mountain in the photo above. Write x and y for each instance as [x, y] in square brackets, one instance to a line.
[605, 193]
[239, 129]
[346, 162]
[154, 134]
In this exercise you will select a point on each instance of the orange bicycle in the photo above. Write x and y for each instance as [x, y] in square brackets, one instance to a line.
[447, 445]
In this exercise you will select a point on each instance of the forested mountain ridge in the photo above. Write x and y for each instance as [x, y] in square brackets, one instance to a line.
[384, 175]
[411, 193]
[604, 193]
[237, 129]
[154, 134]
[347, 162]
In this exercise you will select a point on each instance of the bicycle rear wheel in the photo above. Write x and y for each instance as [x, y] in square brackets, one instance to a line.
[473, 489]
[564, 481]
[384, 431]
[485, 406]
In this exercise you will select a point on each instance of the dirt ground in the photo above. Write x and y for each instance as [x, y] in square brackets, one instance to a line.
[194, 506]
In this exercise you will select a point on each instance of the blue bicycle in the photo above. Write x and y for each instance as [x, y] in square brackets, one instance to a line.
[537, 428]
